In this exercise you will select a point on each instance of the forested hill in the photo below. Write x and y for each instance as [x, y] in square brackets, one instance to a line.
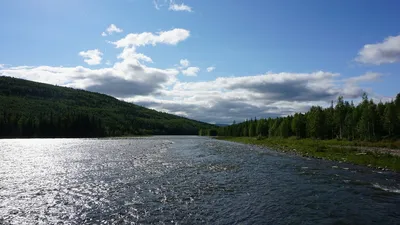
[31, 109]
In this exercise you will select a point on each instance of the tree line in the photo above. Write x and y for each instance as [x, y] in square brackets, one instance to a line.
[368, 121]
[48, 125]
[81, 124]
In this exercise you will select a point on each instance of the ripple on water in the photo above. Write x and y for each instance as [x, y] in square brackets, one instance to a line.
[183, 180]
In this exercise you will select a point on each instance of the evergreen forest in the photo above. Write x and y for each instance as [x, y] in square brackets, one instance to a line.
[367, 121]
[31, 109]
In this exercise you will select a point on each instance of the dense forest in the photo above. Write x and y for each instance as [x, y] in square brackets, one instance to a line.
[31, 109]
[367, 121]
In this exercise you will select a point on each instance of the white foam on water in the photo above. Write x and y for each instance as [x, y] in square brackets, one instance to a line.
[388, 189]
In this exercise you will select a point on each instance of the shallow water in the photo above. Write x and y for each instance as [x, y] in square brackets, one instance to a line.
[184, 180]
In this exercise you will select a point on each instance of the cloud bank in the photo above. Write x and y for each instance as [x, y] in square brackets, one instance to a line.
[133, 78]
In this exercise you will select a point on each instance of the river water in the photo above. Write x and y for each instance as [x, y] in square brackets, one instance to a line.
[184, 180]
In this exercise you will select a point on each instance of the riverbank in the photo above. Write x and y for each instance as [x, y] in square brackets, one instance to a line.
[368, 154]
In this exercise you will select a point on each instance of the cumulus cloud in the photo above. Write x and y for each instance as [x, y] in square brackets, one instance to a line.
[182, 7]
[191, 71]
[130, 54]
[111, 29]
[184, 62]
[276, 87]
[125, 87]
[186, 70]
[387, 51]
[286, 86]
[226, 99]
[130, 76]
[122, 80]
[223, 108]
[210, 69]
[171, 37]
[92, 57]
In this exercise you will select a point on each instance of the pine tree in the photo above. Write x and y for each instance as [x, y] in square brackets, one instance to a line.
[284, 128]
[390, 119]
[340, 115]
[298, 125]
[315, 122]
[274, 129]
[252, 129]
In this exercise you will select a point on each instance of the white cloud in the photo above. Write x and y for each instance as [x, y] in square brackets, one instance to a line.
[184, 62]
[171, 37]
[111, 29]
[367, 77]
[236, 98]
[387, 51]
[92, 57]
[222, 100]
[182, 7]
[272, 86]
[130, 54]
[128, 77]
[2, 66]
[191, 71]
[210, 69]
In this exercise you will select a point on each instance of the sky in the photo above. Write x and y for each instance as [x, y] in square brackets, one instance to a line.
[214, 61]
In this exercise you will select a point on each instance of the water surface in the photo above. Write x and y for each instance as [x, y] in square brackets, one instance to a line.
[184, 180]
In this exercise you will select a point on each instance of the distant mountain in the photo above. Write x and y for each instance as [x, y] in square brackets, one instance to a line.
[221, 125]
[31, 109]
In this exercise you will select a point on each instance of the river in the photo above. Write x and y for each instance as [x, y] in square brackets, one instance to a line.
[184, 180]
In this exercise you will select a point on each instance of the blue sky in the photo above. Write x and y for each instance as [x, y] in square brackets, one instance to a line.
[269, 58]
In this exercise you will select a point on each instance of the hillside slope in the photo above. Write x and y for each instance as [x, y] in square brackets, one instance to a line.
[35, 109]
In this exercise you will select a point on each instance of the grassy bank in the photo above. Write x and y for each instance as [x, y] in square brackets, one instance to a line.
[343, 151]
